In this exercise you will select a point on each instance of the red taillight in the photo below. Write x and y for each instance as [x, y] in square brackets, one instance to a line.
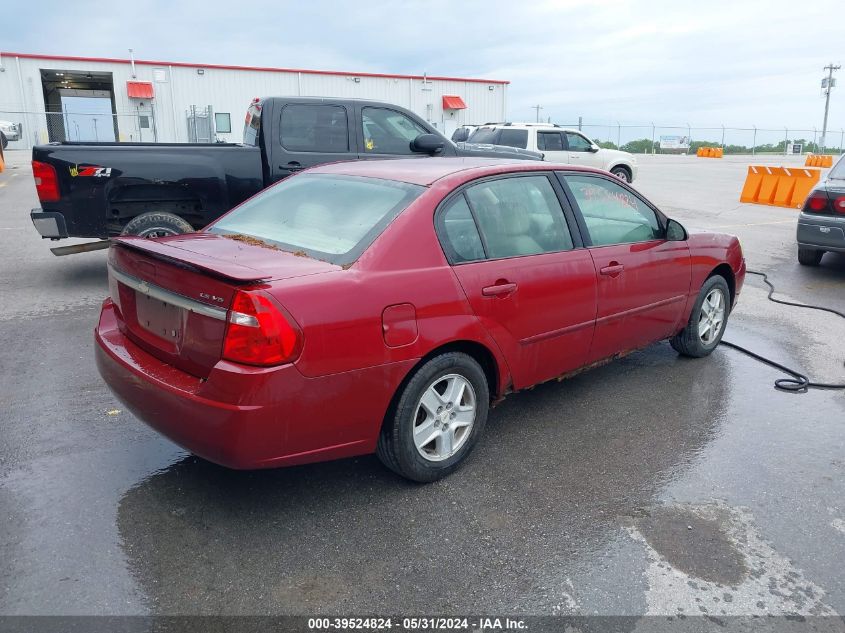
[46, 181]
[260, 332]
[839, 204]
[816, 202]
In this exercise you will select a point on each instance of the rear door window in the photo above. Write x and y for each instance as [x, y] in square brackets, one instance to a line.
[513, 138]
[549, 141]
[519, 216]
[314, 128]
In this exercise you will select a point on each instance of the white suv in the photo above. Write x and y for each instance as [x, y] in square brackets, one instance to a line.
[558, 145]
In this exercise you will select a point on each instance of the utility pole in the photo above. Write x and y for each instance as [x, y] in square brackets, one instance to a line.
[827, 84]
[538, 107]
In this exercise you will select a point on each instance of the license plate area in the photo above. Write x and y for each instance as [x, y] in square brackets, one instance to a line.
[162, 319]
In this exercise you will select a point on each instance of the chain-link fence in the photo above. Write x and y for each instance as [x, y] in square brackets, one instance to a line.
[25, 129]
[642, 139]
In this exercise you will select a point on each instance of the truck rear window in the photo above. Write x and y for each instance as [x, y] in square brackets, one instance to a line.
[328, 217]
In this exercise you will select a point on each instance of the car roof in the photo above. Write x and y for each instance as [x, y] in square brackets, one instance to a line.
[426, 171]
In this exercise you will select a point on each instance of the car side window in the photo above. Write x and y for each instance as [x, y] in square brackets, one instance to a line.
[549, 141]
[314, 128]
[388, 131]
[577, 143]
[613, 214]
[513, 138]
[519, 216]
[458, 233]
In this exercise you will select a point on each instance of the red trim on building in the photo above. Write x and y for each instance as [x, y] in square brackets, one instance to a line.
[453, 102]
[139, 89]
[342, 73]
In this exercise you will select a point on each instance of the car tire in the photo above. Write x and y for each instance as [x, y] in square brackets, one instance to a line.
[156, 224]
[621, 173]
[691, 341]
[809, 256]
[423, 438]
[4, 142]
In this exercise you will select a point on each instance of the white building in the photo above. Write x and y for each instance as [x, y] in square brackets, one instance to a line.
[56, 98]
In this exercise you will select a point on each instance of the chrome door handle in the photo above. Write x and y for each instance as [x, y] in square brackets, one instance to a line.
[499, 290]
[612, 270]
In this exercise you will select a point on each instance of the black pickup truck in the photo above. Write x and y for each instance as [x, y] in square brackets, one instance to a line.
[99, 190]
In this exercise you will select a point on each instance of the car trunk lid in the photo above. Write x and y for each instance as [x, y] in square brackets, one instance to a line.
[174, 294]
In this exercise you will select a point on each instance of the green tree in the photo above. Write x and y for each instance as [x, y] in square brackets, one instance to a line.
[639, 146]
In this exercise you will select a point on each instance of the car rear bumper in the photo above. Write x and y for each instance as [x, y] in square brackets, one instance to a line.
[248, 417]
[49, 223]
[822, 232]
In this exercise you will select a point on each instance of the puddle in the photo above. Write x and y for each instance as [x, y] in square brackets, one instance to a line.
[709, 559]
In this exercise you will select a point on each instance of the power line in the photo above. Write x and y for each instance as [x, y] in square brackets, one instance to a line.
[827, 85]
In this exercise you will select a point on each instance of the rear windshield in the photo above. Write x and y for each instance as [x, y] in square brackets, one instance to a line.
[328, 217]
[500, 136]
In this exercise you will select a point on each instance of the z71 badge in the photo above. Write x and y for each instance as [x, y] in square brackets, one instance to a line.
[91, 170]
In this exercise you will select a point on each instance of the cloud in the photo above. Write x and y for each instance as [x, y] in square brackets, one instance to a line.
[737, 63]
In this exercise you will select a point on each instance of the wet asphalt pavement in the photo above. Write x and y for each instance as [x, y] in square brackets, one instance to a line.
[653, 485]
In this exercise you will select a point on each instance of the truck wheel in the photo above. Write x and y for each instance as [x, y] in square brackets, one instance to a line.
[809, 256]
[156, 224]
[3, 141]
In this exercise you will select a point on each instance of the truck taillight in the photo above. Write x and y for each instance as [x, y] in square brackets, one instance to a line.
[46, 181]
[260, 332]
[816, 202]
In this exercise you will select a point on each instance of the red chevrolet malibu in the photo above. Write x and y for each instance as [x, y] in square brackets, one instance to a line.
[381, 306]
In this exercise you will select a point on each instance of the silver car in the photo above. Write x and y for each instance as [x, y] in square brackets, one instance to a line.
[821, 225]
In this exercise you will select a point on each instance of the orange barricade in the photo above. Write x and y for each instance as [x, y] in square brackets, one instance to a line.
[778, 186]
[819, 160]
[709, 152]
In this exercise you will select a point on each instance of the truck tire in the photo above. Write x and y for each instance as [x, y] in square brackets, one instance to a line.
[3, 141]
[156, 224]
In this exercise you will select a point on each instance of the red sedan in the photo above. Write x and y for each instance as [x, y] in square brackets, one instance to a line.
[384, 305]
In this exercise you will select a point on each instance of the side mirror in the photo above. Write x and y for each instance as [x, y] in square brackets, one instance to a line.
[675, 232]
[594, 148]
[428, 144]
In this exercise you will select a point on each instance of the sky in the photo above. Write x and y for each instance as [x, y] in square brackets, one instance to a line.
[705, 63]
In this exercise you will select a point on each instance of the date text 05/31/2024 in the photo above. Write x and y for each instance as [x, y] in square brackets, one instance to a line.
[416, 624]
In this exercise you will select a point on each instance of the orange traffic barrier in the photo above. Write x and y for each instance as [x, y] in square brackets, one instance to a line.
[778, 186]
[709, 152]
[819, 160]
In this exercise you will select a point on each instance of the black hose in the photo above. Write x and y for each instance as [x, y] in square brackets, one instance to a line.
[799, 383]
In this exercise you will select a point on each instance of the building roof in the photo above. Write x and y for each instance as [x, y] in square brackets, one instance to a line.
[147, 62]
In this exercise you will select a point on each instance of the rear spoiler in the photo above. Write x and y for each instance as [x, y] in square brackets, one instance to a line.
[207, 264]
